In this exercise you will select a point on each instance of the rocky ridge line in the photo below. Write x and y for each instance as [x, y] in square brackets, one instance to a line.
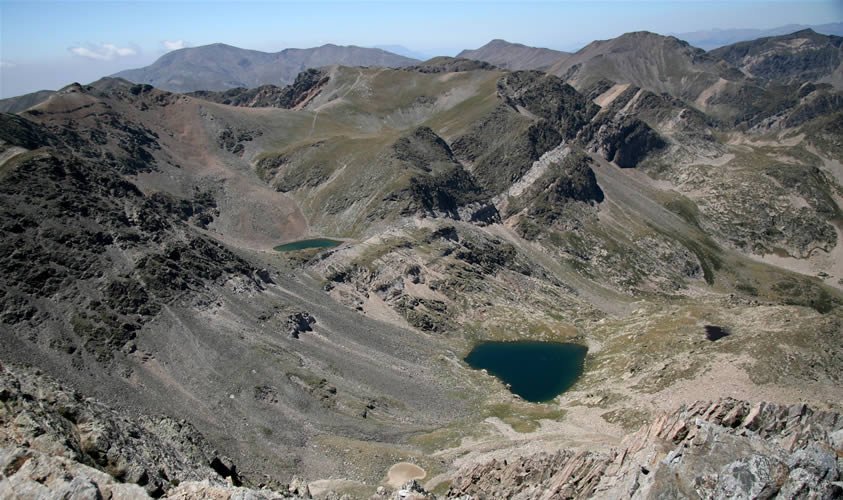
[725, 449]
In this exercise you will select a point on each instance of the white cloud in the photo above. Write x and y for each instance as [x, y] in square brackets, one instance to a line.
[7, 64]
[103, 51]
[174, 44]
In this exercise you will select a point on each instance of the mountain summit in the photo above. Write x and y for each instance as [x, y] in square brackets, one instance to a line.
[220, 67]
[514, 56]
[798, 57]
[648, 60]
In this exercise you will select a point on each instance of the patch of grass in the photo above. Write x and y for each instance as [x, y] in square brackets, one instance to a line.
[777, 285]
[685, 208]
[630, 419]
[708, 253]
[746, 288]
[457, 119]
[441, 489]
[524, 417]
[806, 292]
[446, 437]
[372, 253]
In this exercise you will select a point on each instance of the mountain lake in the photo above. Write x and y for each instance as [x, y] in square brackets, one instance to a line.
[536, 371]
[305, 244]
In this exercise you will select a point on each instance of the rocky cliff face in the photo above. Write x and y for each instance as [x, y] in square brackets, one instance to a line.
[536, 114]
[296, 95]
[618, 132]
[726, 449]
[55, 443]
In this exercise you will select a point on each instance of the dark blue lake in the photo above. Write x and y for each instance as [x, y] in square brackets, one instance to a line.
[305, 244]
[536, 371]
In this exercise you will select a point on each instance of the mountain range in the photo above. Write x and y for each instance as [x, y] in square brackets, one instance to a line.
[675, 211]
[712, 39]
[219, 66]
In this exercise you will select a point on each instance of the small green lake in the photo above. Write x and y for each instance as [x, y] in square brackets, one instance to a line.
[536, 371]
[305, 244]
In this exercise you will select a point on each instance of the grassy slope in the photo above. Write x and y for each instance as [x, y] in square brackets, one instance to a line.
[337, 165]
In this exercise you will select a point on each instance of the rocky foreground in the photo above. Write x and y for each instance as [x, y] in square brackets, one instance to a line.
[725, 449]
[55, 443]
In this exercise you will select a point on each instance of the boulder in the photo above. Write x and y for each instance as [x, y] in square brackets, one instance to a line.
[299, 322]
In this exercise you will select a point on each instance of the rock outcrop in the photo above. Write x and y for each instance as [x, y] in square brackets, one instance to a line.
[55, 426]
[618, 135]
[299, 322]
[55, 443]
[439, 185]
[536, 114]
[625, 140]
[444, 64]
[307, 85]
[726, 449]
[113, 254]
[803, 56]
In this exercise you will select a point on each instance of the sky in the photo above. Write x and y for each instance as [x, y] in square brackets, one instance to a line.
[49, 44]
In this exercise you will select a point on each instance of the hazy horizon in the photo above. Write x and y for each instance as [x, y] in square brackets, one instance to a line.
[85, 40]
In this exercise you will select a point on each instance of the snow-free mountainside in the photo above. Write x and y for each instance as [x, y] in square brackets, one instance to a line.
[675, 211]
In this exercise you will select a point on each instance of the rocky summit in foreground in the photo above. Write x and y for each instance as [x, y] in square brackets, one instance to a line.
[240, 287]
[725, 449]
[56, 444]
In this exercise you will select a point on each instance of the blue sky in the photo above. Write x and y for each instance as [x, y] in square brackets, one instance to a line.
[49, 44]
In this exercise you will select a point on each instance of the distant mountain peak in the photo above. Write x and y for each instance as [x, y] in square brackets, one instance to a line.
[219, 66]
[645, 36]
[717, 37]
[514, 56]
[820, 59]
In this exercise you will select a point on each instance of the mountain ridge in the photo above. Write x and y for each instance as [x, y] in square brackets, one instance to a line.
[716, 38]
[219, 66]
[514, 56]
[798, 57]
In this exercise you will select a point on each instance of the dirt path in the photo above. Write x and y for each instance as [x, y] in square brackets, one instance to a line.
[346, 94]
[10, 153]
